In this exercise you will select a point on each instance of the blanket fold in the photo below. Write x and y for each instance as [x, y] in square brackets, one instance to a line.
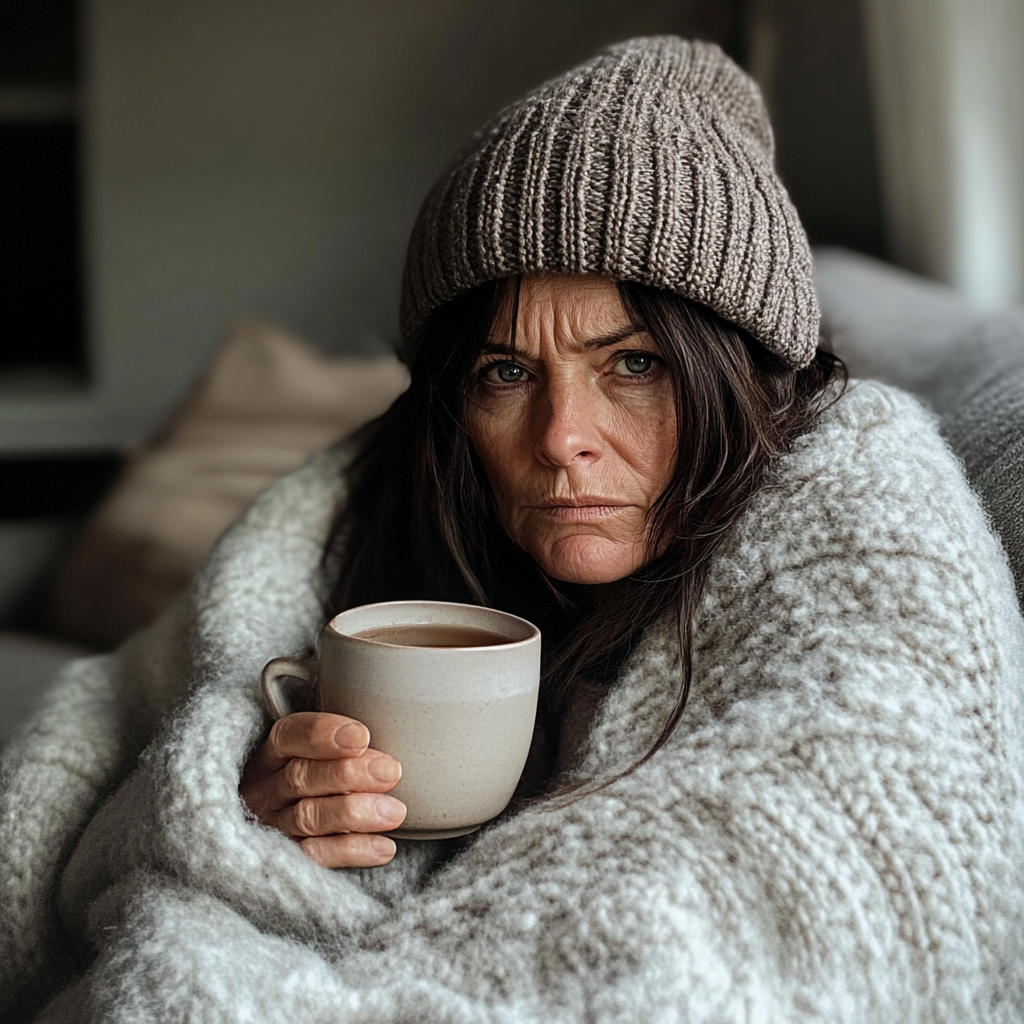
[834, 832]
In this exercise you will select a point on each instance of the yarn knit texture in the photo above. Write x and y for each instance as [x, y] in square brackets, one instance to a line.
[833, 833]
[652, 163]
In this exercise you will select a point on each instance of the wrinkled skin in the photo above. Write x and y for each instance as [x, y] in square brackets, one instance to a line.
[576, 433]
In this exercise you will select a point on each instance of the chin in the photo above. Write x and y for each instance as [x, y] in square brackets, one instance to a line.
[588, 560]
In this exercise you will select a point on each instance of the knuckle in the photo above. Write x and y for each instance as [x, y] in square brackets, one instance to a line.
[296, 775]
[278, 736]
[306, 817]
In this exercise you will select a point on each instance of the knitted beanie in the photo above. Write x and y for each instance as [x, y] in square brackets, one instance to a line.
[650, 163]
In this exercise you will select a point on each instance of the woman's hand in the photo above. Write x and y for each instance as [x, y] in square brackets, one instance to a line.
[315, 779]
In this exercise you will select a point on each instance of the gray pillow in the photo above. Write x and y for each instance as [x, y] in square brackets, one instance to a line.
[981, 400]
[967, 365]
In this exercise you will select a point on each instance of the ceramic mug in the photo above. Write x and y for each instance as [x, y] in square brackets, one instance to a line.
[448, 690]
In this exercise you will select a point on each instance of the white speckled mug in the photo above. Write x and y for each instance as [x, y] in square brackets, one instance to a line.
[448, 690]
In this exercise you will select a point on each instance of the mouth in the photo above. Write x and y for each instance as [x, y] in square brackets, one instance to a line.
[580, 509]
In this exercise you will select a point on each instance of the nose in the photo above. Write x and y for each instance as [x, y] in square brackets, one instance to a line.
[568, 428]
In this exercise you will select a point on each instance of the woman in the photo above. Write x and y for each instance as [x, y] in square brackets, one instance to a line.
[777, 773]
[578, 432]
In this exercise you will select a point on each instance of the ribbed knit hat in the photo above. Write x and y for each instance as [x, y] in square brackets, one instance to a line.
[650, 163]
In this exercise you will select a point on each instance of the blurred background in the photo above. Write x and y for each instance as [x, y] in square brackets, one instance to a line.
[204, 206]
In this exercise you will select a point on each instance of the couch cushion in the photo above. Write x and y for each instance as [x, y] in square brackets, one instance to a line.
[968, 365]
[265, 404]
[981, 400]
[886, 323]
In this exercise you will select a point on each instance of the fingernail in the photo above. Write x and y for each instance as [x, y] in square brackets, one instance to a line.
[385, 769]
[382, 846]
[352, 736]
[390, 809]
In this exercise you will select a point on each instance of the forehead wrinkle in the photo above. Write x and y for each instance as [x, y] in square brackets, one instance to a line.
[570, 310]
[591, 345]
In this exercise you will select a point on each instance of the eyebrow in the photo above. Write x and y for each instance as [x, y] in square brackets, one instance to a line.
[601, 341]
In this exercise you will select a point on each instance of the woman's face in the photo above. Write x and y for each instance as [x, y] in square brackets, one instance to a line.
[578, 434]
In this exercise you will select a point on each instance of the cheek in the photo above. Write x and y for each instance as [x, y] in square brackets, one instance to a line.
[645, 438]
[498, 437]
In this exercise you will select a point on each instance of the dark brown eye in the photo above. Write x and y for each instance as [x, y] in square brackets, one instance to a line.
[637, 362]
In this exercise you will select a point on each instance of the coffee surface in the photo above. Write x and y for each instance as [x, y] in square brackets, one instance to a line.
[434, 635]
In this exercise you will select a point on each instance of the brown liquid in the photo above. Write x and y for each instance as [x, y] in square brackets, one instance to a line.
[434, 635]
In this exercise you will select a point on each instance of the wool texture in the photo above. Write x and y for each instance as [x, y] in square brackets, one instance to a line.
[833, 833]
[652, 163]
[965, 363]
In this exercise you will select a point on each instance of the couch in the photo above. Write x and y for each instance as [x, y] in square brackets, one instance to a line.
[968, 365]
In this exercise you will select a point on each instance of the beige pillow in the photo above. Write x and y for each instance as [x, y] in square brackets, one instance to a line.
[266, 402]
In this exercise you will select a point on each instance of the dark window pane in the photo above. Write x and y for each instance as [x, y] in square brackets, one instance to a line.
[38, 42]
[40, 293]
[55, 485]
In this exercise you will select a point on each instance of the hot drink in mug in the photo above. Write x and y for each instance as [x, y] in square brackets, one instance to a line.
[448, 690]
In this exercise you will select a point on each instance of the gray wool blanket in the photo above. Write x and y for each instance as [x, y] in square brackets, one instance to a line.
[833, 833]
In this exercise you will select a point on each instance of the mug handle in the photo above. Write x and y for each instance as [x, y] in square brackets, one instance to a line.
[283, 699]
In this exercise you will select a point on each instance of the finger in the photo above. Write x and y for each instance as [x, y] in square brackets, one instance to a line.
[326, 815]
[312, 734]
[372, 772]
[349, 851]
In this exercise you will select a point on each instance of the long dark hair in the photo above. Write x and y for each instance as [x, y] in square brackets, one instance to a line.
[419, 520]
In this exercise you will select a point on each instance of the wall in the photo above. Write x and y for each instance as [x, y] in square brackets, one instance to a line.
[256, 158]
[949, 90]
[809, 57]
[250, 157]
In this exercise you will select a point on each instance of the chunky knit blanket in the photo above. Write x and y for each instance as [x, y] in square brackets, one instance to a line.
[834, 832]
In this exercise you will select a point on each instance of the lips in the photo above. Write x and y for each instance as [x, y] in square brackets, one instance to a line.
[580, 509]
[584, 501]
